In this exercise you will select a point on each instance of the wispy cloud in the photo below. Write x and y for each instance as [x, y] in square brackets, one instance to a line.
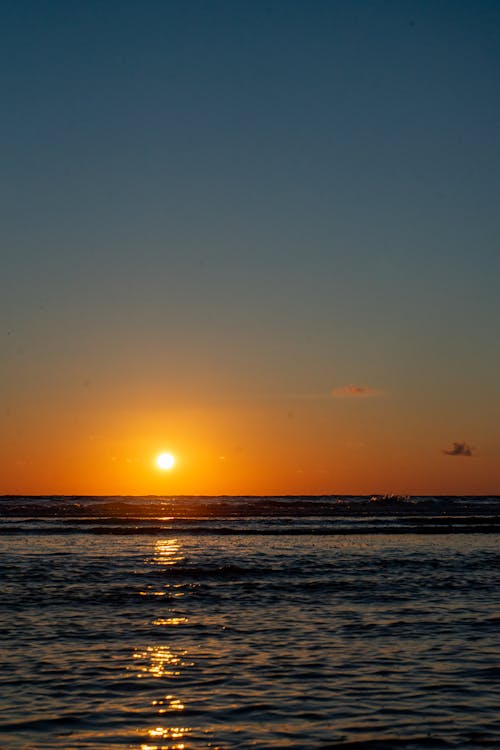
[355, 391]
[344, 391]
[459, 449]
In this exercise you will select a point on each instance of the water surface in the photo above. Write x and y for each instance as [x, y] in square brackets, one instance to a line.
[163, 632]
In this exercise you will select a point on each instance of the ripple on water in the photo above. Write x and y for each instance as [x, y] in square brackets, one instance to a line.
[215, 642]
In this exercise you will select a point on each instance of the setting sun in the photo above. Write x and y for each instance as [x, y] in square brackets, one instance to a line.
[165, 461]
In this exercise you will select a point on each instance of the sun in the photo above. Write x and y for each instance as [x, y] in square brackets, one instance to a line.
[165, 461]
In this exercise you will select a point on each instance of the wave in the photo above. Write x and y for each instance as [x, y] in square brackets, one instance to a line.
[244, 506]
[285, 530]
[427, 742]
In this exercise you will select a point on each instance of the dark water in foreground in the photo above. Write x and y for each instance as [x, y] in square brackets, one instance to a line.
[249, 623]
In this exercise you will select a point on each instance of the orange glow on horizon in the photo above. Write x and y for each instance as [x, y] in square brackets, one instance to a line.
[256, 449]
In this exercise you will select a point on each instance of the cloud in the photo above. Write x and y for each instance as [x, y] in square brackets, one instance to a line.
[355, 391]
[459, 449]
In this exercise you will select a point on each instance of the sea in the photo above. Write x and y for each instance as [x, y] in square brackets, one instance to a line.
[182, 623]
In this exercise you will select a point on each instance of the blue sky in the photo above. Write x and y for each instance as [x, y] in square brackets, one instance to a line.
[224, 201]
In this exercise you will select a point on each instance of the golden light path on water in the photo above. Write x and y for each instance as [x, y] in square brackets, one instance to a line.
[257, 642]
[164, 662]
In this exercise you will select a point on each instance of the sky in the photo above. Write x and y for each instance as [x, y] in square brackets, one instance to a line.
[260, 235]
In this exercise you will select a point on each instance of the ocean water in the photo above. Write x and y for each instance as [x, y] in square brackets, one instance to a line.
[189, 623]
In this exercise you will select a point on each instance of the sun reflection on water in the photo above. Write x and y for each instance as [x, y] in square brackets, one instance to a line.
[173, 621]
[167, 733]
[162, 660]
[169, 704]
[175, 746]
[166, 552]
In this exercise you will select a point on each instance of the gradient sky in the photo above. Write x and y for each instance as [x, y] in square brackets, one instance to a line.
[263, 236]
